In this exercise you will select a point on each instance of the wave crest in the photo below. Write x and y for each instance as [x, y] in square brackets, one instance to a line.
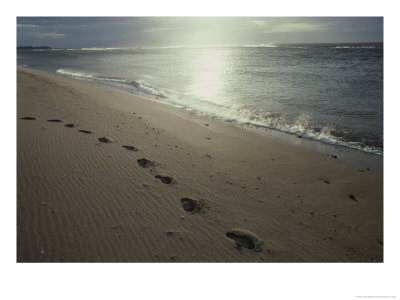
[139, 85]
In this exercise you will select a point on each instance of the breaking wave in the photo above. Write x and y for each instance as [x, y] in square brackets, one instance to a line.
[138, 86]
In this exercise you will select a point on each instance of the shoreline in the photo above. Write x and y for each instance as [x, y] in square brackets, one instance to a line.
[350, 155]
[80, 199]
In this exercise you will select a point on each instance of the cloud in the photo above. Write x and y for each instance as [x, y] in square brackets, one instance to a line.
[162, 29]
[259, 23]
[26, 26]
[296, 27]
[45, 35]
[37, 31]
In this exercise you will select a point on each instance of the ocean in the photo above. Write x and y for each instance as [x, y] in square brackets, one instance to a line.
[330, 93]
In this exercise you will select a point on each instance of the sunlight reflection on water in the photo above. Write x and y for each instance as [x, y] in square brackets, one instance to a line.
[209, 80]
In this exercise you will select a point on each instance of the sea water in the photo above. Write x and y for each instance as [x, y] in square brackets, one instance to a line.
[331, 93]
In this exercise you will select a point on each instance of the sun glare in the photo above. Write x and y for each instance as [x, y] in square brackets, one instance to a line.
[209, 80]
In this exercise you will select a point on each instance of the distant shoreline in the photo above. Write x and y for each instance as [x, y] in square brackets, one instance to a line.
[195, 46]
[32, 47]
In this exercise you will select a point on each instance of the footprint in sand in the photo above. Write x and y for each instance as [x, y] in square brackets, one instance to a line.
[145, 163]
[69, 125]
[84, 131]
[105, 140]
[192, 206]
[165, 179]
[352, 197]
[174, 234]
[54, 120]
[28, 118]
[246, 239]
[131, 148]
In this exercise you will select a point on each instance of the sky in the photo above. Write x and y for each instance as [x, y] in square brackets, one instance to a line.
[77, 32]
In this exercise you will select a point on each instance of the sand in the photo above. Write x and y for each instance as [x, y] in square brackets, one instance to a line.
[105, 176]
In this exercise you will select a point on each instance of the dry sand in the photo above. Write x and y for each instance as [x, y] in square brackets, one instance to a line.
[191, 189]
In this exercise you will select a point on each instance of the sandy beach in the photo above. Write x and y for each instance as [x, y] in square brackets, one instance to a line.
[105, 176]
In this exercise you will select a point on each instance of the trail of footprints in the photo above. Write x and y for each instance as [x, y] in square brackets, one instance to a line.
[143, 162]
[242, 238]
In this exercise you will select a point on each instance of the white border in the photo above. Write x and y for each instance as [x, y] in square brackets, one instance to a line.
[197, 281]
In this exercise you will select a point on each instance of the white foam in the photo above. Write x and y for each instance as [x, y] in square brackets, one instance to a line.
[141, 86]
[355, 47]
[254, 118]
[64, 49]
[70, 73]
[99, 49]
[260, 46]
